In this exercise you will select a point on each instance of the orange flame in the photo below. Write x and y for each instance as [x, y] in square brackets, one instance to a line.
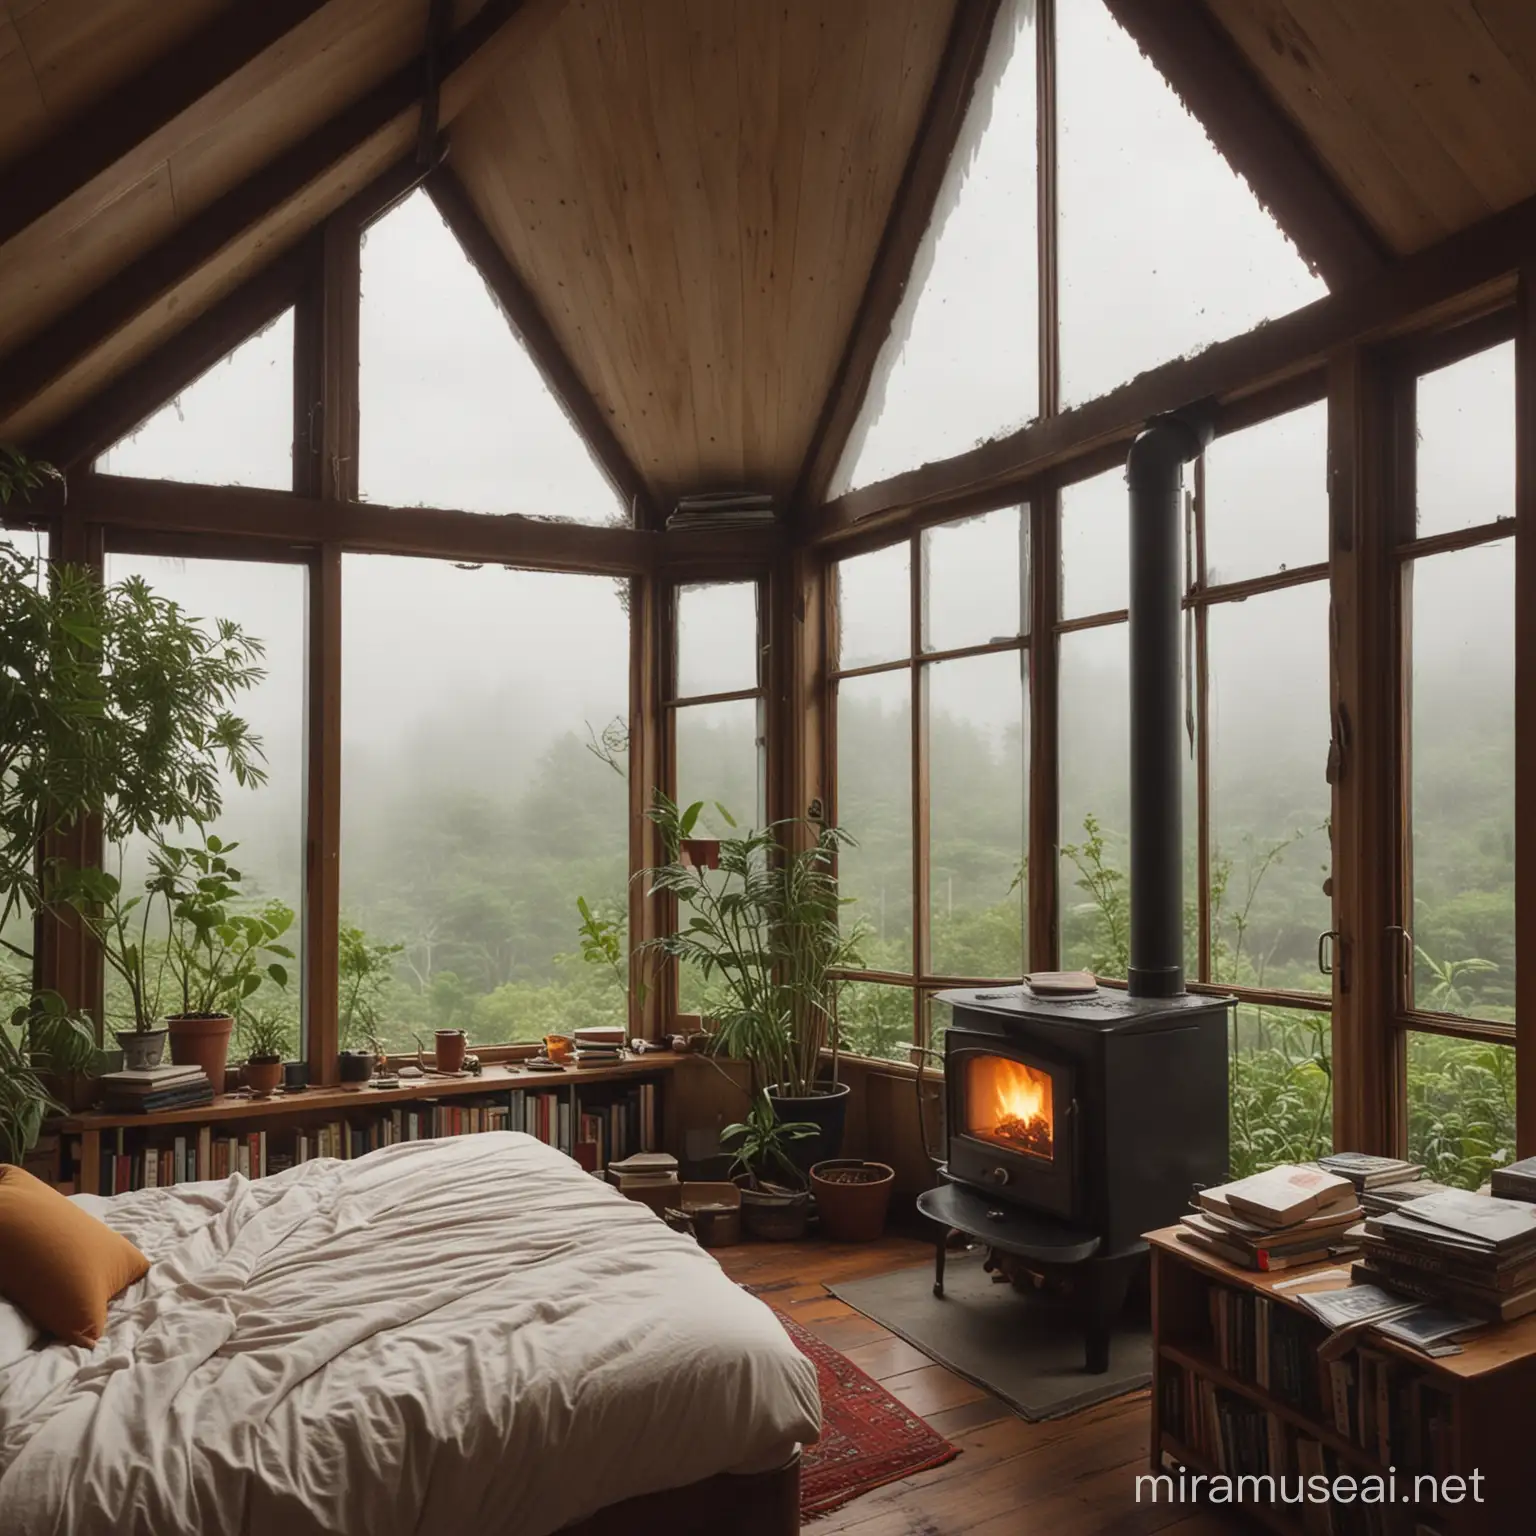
[1010, 1102]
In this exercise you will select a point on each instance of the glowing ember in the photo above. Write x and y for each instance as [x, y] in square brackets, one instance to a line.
[1010, 1103]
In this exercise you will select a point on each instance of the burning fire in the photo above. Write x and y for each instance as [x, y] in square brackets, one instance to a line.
[1010, 1103]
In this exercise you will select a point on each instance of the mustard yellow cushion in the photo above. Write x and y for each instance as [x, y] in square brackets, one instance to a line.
[58, 1264]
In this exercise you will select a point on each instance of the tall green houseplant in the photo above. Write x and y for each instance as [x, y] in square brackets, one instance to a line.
[764, 930]
[114, 705]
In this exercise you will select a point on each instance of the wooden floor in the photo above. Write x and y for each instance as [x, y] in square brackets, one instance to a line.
[1067, 1477]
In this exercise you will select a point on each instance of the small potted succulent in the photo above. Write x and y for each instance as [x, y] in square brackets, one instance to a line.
[774, 1200]
[266, 1039]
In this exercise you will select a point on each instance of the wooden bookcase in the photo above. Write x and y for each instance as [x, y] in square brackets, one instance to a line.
[284, 1116]
[1446, 1417]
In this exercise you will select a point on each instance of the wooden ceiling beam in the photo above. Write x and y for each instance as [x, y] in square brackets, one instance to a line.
[526, 317]
[282, 517]
[911, 212]
[1467, 274]
[473, 50]
[1216, 82]
[140, 391]
[131, 123]
[157, 509]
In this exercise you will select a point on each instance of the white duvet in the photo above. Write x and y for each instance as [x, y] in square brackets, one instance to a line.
[469, 1335]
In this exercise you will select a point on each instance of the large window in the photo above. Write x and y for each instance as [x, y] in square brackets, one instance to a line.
[932, 631]
[485, 787]
[265, 824]
[1257, 848]
[1458, 603]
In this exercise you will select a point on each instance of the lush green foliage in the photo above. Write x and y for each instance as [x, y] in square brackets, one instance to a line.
[765, 930]
[760, 1144]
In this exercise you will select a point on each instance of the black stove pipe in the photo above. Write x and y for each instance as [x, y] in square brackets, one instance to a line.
[1155, 471]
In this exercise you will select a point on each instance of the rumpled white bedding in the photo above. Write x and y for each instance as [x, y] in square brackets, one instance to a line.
[469, 1335]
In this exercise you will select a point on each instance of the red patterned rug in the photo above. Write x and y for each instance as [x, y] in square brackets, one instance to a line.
[867, 1438]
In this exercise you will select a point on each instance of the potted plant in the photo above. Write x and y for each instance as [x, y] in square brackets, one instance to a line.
[773, 1207]
[852, 1197]
[118, 708]
[218, 955]
[266, 1039]
[763, 931]
[43, 1048]
[365, 970]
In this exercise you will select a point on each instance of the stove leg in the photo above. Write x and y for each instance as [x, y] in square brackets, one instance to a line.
[1104, 1284]
[940, 1244]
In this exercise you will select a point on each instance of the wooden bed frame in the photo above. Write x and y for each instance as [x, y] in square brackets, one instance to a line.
[759, 1504]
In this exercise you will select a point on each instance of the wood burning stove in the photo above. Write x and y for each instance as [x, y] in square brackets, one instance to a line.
[1075, 1124]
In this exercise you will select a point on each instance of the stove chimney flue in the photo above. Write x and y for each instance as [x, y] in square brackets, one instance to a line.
[1155, 472]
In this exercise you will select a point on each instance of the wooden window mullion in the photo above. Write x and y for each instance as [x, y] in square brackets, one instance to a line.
[1525, 714]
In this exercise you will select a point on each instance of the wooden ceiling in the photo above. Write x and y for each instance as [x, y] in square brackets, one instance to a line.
[698, 203]
[1424, 110]
[694, 189]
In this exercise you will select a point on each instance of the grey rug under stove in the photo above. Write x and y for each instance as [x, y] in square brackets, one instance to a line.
[1027, 1349]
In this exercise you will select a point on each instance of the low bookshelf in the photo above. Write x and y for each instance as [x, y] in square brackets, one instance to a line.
[1238, 1388]
[600, 1113]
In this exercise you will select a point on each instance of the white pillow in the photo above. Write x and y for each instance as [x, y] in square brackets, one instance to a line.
[17, 1335]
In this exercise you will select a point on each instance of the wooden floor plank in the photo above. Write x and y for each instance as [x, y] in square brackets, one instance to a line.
[1069, 1477]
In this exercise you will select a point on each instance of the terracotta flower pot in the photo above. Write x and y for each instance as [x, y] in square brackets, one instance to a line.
[262, 1075]
[851, 1198]
[450, 1046]
[202, 1040]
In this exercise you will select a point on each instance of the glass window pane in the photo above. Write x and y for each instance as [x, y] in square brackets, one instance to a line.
[474, 811]
[941, 383]
[720, 761]
[1164, 249]
[1466, 442]
[717, 644]
[874, 804]
[1266, 497]
[977, 760]
[1095, 775]
[453, 412]
[270, 603]
[876, 1020]
[1463, 781]
[1095, 545]
[973, 580]
[940, 1016]
[1461, 1107]
[233, 426]
[1270, 799]
[874, 606]
[1281, 1087]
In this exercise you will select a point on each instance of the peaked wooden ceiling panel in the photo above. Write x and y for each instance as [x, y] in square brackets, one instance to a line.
[329, 61]
[694, 190]
[1424, 110]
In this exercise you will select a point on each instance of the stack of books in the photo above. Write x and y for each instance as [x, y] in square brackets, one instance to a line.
[155, 1088]
[598, 1055]
[1516, 1182]
[649, 1177]
[1471, 1254]
[1366, 1171]
[1290, 1215]
[721, 509]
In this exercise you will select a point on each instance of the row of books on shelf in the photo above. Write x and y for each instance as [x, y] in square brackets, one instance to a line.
[1382, 1403]
[594, 1135]
[1241, 1438]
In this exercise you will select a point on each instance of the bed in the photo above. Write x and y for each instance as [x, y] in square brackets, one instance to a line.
[465, 1335]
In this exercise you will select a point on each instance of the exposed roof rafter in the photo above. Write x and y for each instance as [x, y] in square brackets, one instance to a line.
[911, 211]
[1216, 82]
[538, 337]
[474, 49]
[128, 124]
